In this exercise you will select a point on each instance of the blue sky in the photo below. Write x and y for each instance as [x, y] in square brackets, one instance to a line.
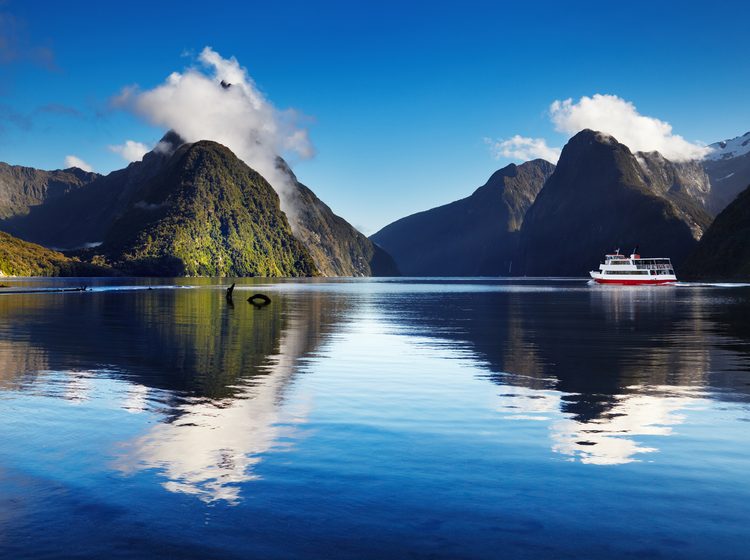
[398, 97]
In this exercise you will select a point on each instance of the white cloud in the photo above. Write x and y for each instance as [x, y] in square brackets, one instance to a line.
[611, 115]
[74, 161]
[523, 148]
[621, 119]
[130, 150]
[125, 96]
[219, 101]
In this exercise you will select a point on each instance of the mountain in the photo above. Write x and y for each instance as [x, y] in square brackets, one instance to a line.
[336, 247]
[21, 258]
[724, 250]
[81, 217]
[598, 199]
[22, 188]
[205, 213]
[685, 184]
[474, 236]
[728, 168]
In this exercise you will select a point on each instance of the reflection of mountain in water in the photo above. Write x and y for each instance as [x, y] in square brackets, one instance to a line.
[211, 447]
[186, 341]
[602, 366]
[216, 375]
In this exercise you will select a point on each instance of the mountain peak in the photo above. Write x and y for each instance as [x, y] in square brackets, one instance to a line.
[205, 212]
[166, 146]
[589, 135]
[597, 198]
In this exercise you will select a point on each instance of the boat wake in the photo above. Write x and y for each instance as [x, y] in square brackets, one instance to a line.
[712, 284]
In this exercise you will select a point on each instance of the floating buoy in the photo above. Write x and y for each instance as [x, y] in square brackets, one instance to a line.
[259, 300]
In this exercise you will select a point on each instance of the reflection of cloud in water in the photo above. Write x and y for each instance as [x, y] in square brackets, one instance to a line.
[79, 386]
[137, 398]
[212, 446]
[609, 439]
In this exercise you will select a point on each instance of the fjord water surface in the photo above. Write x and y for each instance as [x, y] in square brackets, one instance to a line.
[405, 418]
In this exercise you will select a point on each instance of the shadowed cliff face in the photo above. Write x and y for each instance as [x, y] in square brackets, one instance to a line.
[595, 201]
[684, 184]
[475, 236]
[724, 251]
[336, 247]
[81, 217]
[22, 188]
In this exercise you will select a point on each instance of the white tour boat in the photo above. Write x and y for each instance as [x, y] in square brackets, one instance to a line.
[634, 270]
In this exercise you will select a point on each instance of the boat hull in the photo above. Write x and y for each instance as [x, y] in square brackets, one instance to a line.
[634, 282]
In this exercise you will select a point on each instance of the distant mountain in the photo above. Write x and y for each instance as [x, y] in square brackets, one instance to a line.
[724, 250]
[205, 213]
[22, 188]
[685, 184]
[600, 198]
[337, 248]
[82, 216]
[728, 168]
[474, 236]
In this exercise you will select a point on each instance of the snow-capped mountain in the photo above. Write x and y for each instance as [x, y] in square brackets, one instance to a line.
[728, 168]
[728, 149]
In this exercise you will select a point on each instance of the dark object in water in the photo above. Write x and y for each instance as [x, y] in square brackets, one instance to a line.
[259, 300]
[230, 289]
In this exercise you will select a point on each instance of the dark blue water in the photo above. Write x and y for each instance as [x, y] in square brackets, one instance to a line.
[375, 419]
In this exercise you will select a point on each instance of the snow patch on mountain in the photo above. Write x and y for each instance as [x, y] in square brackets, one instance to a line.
[730, 148]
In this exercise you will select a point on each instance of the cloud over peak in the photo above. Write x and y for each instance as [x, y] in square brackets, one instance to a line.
[219, 101]
[75, 161]
[130, 150]
[523, 148]
[610, 115]
[620, 118]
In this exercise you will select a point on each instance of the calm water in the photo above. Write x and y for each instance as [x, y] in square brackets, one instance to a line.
[375, 419]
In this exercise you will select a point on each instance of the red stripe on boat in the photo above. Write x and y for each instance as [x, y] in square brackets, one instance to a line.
[633, 282]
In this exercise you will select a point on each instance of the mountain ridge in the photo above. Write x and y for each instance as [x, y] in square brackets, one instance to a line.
[22, 188]
[473, 236]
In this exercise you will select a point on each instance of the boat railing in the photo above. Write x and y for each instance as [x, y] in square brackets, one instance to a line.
[653, 266]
